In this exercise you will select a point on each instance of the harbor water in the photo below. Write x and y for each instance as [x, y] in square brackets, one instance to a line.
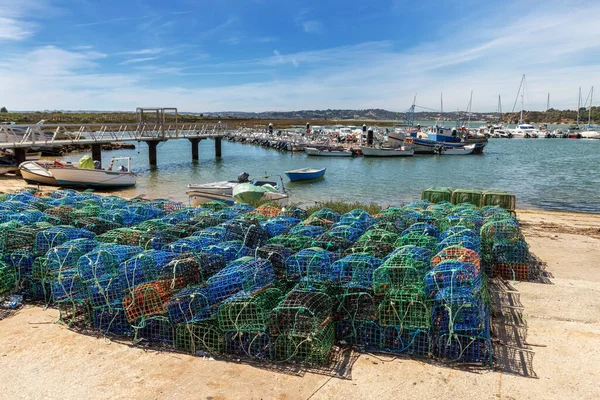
[553, 174]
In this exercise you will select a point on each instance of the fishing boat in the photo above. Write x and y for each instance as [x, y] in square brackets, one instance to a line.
[429, 141]
[221, 190]
[457, 151]
[313, 151]
[85, 175]
[305, 174]
[29, 156]
[5, 169]
[387, 151]
[250, 193]
[37, 173]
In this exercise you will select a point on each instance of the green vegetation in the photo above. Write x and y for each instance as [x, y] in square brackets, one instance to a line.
[3, 110]
[343, 207]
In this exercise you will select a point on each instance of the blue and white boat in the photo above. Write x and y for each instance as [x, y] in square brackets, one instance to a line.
[305, 174]
[431, 140]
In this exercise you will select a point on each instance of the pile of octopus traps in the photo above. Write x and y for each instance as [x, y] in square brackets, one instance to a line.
[264, 283]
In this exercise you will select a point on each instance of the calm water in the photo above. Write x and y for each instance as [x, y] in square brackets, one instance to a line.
[556, 174]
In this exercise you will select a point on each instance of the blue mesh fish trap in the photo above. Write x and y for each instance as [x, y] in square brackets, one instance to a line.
[278, 225]
[460, 230]
[154, 329]
[277, 255]
[359, 218]
[423, 228]
[295, 212]
[308, 230]
[311, 265]
[348, 232]
[255, 345]
[366, 334]
[460, 240]
[142, 267]
[464, 348]
[191, 304]
[451, 277]
[189, 244]
[105, 260]
[105, 291]
[294, 242]
[45, 240]
[111, 320]
[67, 255]
[67, 285]
[463, 315]
[216, 233]
[416, 342]
[331, 243]
[192, 268]
[230, 251]
[22, 260]
[245, 273]
[354, 271]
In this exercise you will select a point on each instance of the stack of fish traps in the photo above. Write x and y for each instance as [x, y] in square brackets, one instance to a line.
[264, 283]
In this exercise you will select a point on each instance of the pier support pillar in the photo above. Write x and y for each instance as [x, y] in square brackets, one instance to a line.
[218, 147]
[97, 152]
[152, 152]
[20, 155]
[195, 142]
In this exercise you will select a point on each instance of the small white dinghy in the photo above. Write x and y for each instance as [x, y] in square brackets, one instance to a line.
[456, 151]
[313, 151]
[86, 176]
[38, 173]
[387, 152]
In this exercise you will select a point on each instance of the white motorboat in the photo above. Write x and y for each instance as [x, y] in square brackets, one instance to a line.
[86, 176]
[313, 151]
[37, 173]
[590, 134]
[5, 169]
[457, 151]
[29, 156]
[526, 131]
[387, 152]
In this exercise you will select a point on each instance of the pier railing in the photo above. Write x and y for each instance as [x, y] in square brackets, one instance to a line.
[25, 136]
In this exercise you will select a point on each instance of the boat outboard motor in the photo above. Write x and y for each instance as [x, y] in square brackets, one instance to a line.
[370, 137]
[243, 177]
[270, 129]
[307, 128]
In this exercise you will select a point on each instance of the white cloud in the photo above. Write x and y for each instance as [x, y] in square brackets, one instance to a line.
[138, 60]
[16, 18]
[142, 52]
[312, 26]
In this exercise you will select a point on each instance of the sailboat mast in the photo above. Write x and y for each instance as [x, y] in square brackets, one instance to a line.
[470, 105]
[500, 109]
[578, 105]
[548, 103]
[590, 110]
[522, 98]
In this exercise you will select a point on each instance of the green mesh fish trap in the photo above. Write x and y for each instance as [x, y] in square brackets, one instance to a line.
[356, 305]
[500, 199]
[294, 242]
[307, 348]
[154, 329]
[96, 225]
[255, 345]
[49, 238]
[348, 232]
[405, 310]
[301, 312]
[377, 250]
[378, 236]
[331, 243]
[277, 256]
[326, 214]
[248, 311]
[63, 213]
[310, 231]
[140, 267]
[198, 337]
[192, 268]
[400, 273]
[8, 278]
[474, 197]
[437, 194]
[419, 240]
[311, 265]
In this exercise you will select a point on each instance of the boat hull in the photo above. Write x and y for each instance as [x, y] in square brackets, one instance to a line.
[296, 176]
[6, 169]
[374, 152]
[36, 174]
[311, 151]
[197, 198]
[81, 177]
[426, 146]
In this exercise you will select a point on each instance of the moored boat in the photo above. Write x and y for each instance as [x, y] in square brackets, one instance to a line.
[313, 151]
[457, 151]
[387, 152]
[87, 176]
[221, 190]
[305, 174]
[37, 173]
[249, 193]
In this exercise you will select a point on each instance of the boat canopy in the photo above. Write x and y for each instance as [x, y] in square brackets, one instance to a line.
[86, 162]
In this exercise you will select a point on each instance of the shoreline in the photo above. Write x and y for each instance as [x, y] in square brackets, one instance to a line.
[12, 183]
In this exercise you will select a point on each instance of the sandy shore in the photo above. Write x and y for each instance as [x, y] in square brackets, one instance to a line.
[556, 355]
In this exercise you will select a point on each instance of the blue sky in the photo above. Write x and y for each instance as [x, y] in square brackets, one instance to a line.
[288, 55]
